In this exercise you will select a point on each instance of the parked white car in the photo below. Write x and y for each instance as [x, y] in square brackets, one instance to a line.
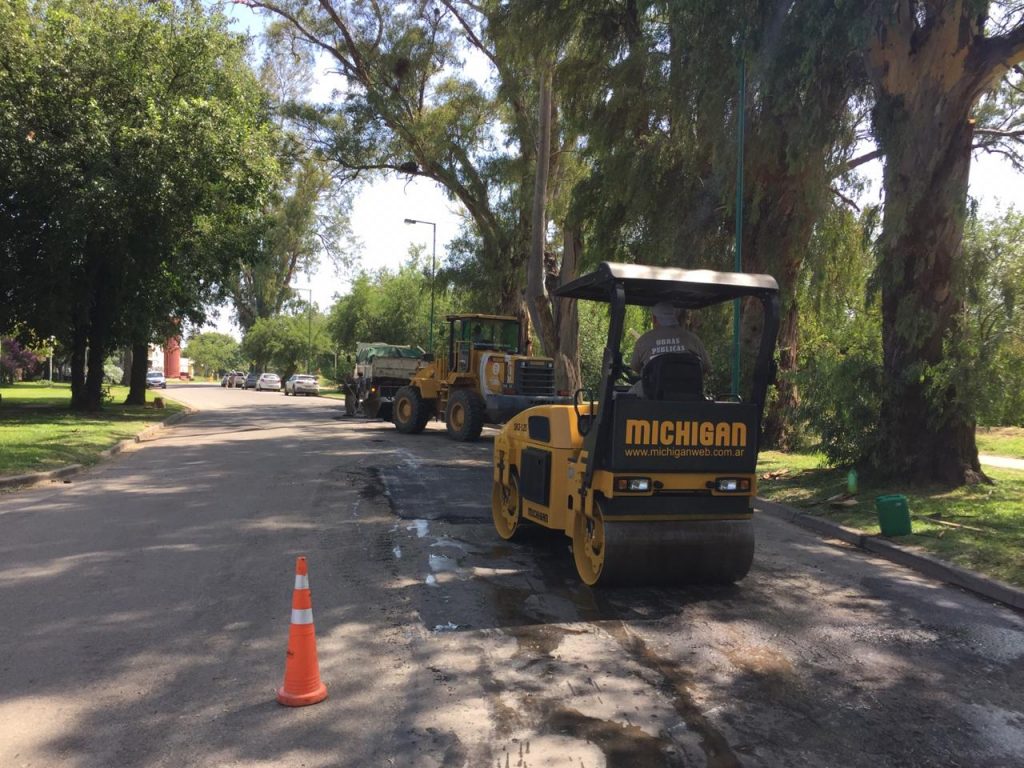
[156, 380]
[302, 384]
[268, 381]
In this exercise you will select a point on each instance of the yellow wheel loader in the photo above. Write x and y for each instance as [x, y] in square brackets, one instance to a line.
[483, 379]
[653, 479]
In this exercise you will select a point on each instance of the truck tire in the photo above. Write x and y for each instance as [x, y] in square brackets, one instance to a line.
[465, 416]
[411, 411]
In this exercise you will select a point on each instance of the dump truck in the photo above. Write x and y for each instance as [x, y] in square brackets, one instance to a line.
[483, 378]
[652, 477]
[380, 370]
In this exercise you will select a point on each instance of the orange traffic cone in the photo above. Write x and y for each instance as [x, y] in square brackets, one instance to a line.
[302, 684]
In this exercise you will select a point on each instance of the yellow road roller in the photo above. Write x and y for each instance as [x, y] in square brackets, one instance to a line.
[652, 476]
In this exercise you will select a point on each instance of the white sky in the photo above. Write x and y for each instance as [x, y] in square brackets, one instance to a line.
[380, 208]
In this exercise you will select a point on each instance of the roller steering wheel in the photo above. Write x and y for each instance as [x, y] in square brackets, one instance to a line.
[628, 375]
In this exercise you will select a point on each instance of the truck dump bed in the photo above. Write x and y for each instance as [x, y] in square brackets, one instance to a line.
[387, 361]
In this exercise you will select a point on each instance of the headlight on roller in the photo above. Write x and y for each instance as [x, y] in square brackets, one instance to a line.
[732, 484]
[633, 484]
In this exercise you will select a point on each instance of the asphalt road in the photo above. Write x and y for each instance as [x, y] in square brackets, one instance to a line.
[146, 604]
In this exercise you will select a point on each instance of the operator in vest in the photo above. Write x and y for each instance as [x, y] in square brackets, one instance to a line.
[667, 336]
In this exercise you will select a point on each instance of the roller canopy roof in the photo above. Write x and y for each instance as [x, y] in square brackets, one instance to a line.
[685, 288]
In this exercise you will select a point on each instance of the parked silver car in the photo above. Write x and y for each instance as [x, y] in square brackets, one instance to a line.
[236, 379]
[302, 384]
[250, 381]
[268, 381]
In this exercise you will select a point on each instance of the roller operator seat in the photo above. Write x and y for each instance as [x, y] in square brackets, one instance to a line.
[675, 376]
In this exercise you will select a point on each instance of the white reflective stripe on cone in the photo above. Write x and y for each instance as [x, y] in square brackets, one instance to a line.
[301, 582]
[302, 616]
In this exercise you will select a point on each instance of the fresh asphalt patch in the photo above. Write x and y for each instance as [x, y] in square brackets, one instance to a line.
[459, 493]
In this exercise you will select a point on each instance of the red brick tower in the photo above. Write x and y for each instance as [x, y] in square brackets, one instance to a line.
[172, 358]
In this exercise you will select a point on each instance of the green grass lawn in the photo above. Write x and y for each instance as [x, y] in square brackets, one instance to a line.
[1002, 441]
[39, 432]
[992, 544]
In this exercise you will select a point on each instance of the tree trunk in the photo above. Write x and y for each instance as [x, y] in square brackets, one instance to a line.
[79, 345]
[537, 299]
[567, 363]
[780, 423]
[99, 329]
[126, 367]
[927, 420]
[929, 64]
[93, 397]
[776, 244]
[556, 323]
[137, 375]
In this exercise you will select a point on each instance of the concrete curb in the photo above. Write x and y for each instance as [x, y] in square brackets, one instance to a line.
[37, 478]
[33, 478]
[930, 566]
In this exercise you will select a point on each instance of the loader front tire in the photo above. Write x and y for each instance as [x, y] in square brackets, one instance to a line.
[411, 412]
[466, 415]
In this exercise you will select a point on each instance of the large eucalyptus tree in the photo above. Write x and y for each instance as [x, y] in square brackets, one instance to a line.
[404, 106]
[931, 63]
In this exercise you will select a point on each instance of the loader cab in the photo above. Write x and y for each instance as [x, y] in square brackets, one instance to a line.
[467, 333]
[673, 425]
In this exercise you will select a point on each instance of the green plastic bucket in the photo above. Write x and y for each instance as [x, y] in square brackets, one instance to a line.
[893, 514]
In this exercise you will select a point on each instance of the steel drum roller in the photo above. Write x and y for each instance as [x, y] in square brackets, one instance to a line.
[662, 553]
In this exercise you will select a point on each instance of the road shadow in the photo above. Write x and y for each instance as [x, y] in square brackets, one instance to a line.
[162, 639]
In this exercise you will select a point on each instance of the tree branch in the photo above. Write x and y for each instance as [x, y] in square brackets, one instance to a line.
[360, 70]
[846, 199]
[380, 25]
[1016, 160]
[306, 33]
[476, 41]
[855, 162]
[1014, 134]
[995, 56]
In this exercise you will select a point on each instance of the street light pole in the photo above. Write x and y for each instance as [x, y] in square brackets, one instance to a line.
[433, 268]
[738, 242]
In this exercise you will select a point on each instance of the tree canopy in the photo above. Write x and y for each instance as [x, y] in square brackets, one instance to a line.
[135, 149]
[213, 353]
[393, 307]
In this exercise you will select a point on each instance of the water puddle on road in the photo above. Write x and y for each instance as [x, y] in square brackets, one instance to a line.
[624, 746]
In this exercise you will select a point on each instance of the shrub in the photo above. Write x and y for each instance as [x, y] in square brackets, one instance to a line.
[15, 361]
[841, 388]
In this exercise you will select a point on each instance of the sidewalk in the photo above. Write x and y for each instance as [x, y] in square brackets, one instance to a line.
[1004, 462]
[910, 557]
